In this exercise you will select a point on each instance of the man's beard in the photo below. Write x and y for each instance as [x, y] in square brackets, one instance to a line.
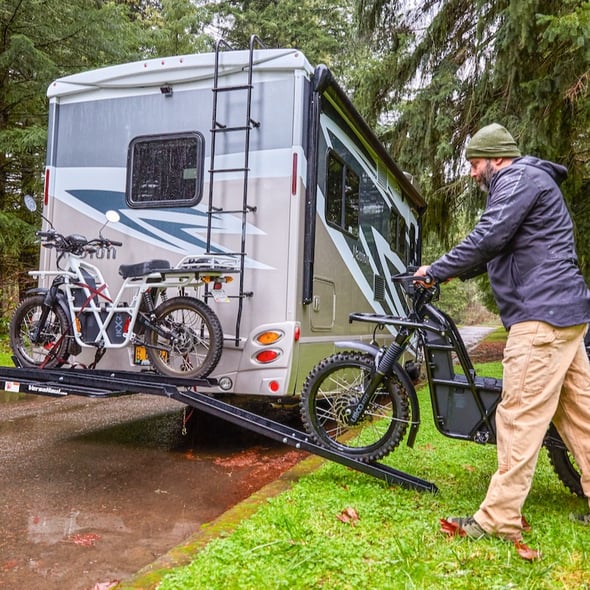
[486, 177]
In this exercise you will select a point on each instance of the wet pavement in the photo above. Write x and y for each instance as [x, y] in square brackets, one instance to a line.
[94, 490]
[472, 335]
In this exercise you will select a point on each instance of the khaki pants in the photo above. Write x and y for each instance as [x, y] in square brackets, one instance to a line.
[546, 377]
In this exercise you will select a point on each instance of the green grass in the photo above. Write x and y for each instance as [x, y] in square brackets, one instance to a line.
[498, 335]
[6, 359]
[296, 541]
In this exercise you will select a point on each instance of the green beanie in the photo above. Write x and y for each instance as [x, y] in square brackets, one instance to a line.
[492, 141]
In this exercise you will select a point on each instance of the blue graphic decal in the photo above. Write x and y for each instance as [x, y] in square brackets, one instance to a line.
[104, 200]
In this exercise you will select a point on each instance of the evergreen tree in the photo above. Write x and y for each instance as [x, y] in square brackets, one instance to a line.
[42, 40]
[319, 28]
[438, 70]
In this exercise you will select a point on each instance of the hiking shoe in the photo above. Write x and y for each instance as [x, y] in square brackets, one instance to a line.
[466, 527]
[580, 518]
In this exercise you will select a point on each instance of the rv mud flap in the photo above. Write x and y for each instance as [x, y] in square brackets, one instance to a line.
[97, 383]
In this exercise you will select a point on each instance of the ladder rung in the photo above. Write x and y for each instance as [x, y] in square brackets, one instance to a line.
[227, 253]
[217, 170]
[228, 129]
[230, 88]
[247, 209]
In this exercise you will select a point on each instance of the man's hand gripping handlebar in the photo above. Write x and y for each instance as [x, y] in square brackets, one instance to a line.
[423, 277]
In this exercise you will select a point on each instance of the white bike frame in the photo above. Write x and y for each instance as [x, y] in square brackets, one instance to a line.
[191, 272]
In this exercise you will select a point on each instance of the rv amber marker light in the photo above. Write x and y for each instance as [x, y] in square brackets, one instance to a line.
[269, 337]
[267, 356]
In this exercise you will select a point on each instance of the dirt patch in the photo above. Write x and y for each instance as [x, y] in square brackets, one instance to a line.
[487, 352]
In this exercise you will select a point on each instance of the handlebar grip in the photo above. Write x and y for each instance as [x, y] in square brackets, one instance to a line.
[45, 234]
[114, 243]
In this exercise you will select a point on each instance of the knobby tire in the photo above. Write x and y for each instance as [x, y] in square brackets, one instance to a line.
[194, 341]
[330, 391]
[563, 462]
[52, 349]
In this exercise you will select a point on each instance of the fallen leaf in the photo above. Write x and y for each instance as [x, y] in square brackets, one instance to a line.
[87, 540]
[525, 525]
[8, 565]
[526, 552]
[349, 516]
[451, 528]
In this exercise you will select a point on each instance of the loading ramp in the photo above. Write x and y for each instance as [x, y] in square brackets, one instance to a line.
[95, 383]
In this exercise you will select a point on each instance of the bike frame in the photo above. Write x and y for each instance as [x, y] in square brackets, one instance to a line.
[463, 404]
[80, 275]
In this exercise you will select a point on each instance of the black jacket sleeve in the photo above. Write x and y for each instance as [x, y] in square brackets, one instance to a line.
[509, 201]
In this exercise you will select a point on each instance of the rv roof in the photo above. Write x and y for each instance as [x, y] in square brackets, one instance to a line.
[176, 69]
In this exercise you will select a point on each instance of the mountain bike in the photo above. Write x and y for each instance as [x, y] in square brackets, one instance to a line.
[178, 336]
[362, 401]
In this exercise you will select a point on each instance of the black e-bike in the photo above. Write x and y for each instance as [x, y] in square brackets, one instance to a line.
[362, 401]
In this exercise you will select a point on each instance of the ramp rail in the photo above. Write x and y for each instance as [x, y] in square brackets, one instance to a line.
[105, 384]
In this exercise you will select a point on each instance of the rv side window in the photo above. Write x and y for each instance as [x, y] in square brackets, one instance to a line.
[342, 196]
[165, 170]
[399, 230]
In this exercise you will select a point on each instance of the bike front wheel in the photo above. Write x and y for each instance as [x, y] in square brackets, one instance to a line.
[188, 339]
[50, 347]
[329, 395]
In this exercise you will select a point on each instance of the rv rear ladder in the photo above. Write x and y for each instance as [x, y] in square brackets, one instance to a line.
[217, 127]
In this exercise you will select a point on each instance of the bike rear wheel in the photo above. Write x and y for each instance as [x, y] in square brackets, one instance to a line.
[330, 392]
[563, 462]
[188, 341]
[51, 348]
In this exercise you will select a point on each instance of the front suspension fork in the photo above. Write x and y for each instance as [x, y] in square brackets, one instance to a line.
[48, 303]
[383, 369]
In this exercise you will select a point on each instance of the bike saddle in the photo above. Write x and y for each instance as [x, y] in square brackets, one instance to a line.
[143, 268]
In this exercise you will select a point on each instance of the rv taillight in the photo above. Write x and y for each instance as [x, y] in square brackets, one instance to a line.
[269, 337]
[297, 333]
[274, 386]
[267, 356]
[46, 188]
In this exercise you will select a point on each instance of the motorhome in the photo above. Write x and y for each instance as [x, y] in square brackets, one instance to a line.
[252, 154]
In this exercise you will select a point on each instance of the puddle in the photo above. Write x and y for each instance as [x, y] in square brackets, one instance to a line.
[94, 490]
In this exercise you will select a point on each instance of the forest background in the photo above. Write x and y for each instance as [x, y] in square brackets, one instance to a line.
[425, 74]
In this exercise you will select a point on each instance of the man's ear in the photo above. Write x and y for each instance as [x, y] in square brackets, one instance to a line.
[498, 163]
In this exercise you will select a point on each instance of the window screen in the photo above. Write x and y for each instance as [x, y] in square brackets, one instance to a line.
[165, 170]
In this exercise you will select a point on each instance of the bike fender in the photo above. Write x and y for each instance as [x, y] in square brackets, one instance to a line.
[371, 349]
[61, 297]
[36, 291]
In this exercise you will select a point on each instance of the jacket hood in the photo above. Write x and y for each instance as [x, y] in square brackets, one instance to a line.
[556, 171]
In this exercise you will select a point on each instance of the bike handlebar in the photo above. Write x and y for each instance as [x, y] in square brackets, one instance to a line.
[410, 277]
[75, 243]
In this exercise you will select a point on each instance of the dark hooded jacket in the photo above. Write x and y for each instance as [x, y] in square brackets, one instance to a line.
[525, 239]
